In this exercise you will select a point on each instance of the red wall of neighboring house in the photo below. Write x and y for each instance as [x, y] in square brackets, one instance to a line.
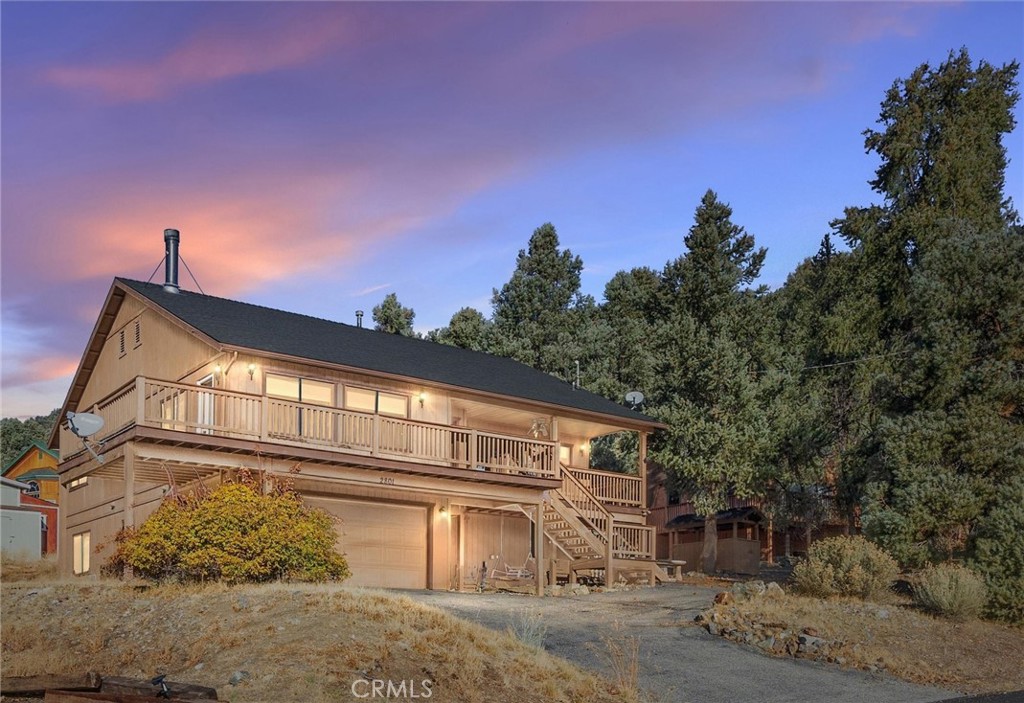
[50, 511]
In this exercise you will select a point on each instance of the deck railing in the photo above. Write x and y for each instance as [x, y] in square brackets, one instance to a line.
[609, 487]
[633, 541]
[211, 411]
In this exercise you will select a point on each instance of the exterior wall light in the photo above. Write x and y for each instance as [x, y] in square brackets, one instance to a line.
[422, 397]
[252, 370]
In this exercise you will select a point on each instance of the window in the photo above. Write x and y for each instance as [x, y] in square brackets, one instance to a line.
[304, 390]
[392, 404]
[33, 489]
[310, 423]
[80, 549]
[368, 401]
[360, 399]
[78, 482]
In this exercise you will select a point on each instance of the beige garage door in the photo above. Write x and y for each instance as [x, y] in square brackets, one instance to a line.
[385, 544]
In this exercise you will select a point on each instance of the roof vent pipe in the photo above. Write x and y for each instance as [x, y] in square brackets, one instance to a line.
[171, 239]
[359, 318]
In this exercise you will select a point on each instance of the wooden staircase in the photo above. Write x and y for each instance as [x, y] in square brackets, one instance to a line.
[588, 537]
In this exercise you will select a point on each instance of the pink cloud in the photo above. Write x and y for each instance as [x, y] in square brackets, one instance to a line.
[212, 54]
[39, 369]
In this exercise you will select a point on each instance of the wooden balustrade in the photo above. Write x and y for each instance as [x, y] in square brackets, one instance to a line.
[610, 487]
[583, 501]
[203, 410]
[633, 541]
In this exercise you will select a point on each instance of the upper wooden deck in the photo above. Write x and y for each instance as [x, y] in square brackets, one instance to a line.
[215, 412]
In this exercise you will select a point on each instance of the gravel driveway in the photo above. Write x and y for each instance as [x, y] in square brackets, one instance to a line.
[678, 662]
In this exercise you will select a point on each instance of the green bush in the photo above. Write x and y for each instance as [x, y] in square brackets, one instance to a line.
[998, 553]
[234, 533]
[952, 591]
[845, 566]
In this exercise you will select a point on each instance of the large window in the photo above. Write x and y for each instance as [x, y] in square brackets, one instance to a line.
[303, 390]
[312, 424]
[369, 401]
[80, 548]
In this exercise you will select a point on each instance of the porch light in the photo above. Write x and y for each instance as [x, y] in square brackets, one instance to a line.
[422, 397]
[252, 370]
[585, 447]
[217, 370]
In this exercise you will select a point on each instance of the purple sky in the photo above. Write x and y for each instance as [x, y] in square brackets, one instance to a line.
[316, 156]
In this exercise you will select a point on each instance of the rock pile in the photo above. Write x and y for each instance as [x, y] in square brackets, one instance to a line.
[730, 619]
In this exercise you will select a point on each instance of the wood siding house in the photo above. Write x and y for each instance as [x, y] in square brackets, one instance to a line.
[445, 466]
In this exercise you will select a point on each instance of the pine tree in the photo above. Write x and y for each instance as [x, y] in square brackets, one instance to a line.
[467, 329]
[390, 316]
[711, 389]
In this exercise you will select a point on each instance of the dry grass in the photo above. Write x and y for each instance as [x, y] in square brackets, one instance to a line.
[622, 655]
[298, 642]
[27, 570]
[972, 657]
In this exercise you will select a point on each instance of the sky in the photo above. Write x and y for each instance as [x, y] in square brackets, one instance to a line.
[318, 155]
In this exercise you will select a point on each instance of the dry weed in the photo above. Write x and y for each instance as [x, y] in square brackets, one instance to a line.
[15, 570]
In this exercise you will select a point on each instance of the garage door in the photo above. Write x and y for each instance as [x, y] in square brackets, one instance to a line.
[385, 544]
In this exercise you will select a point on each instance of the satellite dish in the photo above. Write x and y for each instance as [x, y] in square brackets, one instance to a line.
[84, 424]
[634, 398]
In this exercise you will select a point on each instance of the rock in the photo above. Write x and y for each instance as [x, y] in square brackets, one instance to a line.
[748, 589]
[723, 598]
[882, 614]
[810, 644]
[238, 677]
[767, 644]
[199, 666]
[774, 590]
[713, 628]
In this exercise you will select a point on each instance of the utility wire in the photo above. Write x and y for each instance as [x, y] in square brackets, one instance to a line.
[191, 274]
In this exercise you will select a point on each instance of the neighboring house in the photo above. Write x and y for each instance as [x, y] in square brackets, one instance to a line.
[36, 466]
[444, 465]
[28, 525]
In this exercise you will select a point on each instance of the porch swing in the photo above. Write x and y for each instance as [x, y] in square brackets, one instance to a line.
[510, 573]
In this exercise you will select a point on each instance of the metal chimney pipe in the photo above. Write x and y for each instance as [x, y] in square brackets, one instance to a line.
[171, 239]
[359, 318]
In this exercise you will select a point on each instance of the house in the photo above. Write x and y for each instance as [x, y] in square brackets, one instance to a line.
[36, 466]
[28, 525]
[445, 466]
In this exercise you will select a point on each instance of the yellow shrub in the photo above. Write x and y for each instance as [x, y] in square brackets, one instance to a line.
[234, 533]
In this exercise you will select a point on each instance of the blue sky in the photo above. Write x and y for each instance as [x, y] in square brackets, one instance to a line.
[317, 156]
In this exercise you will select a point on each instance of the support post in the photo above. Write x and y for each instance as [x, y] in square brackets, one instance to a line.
[538, 547]
[140, 401]
[609, 557]
[642, 469]
[129, 495]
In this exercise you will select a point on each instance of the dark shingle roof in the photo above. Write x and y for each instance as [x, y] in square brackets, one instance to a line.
[264, 329]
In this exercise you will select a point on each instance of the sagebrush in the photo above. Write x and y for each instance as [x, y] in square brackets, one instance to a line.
[236, 532]
[846, 566]
[952, 591]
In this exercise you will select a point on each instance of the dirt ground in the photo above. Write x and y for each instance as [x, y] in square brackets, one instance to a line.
[678, 661]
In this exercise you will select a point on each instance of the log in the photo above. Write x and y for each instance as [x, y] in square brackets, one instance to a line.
[38, 685]
[55, 696]
[142, 687]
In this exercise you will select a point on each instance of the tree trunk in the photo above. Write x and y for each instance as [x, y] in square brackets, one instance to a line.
[789, 552]
[709, 553]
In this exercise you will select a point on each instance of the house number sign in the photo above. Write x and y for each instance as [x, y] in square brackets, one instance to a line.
[387, 480]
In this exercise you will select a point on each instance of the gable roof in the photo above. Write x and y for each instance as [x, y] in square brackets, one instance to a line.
[252, 327]
[35, 444]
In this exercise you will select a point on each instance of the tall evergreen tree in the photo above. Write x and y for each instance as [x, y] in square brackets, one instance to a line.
[711, 387]
[392, 317]
[540, 317]
[934, 315]
[467, 329]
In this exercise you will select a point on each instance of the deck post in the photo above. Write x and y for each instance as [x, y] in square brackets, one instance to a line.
[538, 547]
[129, 495]
[642, 469]
[609, 556]
[140, 401]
